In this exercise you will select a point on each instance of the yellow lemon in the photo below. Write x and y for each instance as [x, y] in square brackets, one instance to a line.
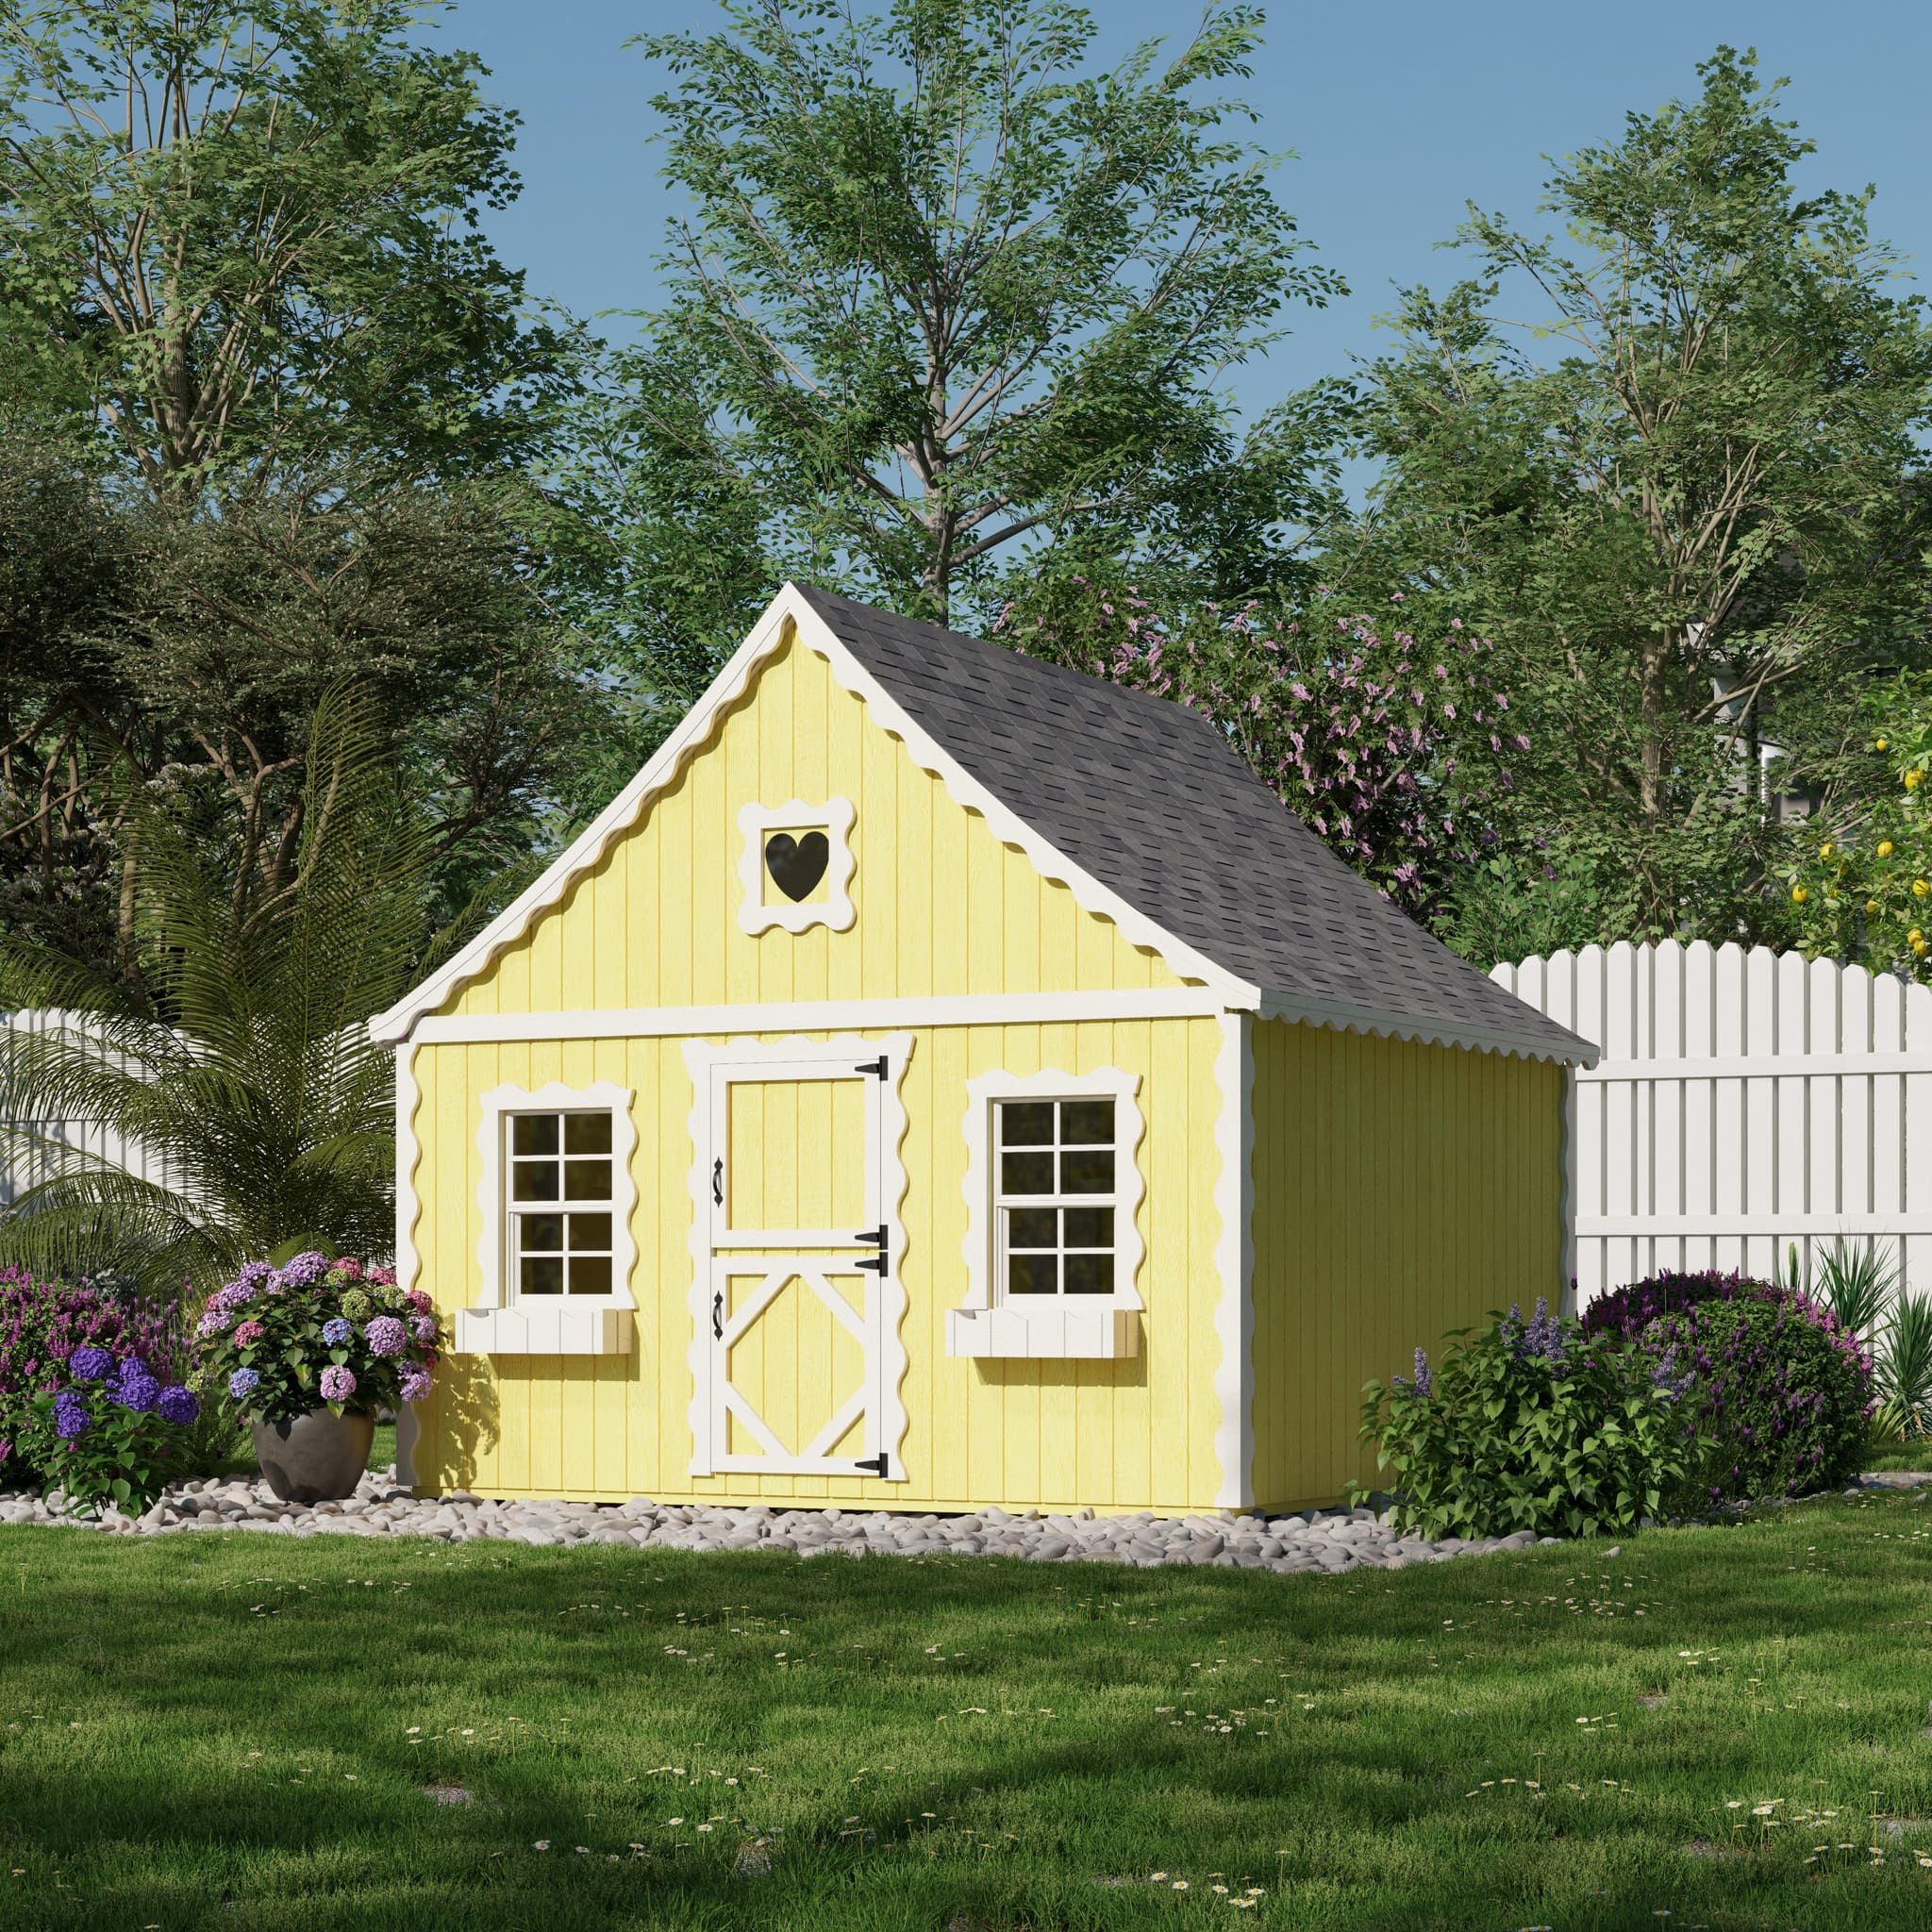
[1800, 893]
[1914, 936]
[1825, 850]
[1912, 780]
[1881, 744]
[1871, 904]
[1920, 948]
[1885, 848]
[1919, 889]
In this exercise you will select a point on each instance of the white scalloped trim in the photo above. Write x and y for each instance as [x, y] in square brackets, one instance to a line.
[787, 615]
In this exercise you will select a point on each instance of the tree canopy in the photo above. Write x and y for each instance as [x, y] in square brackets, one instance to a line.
[949, 303]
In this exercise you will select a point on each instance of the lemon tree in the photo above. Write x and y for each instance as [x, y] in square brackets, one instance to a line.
[1865, 892]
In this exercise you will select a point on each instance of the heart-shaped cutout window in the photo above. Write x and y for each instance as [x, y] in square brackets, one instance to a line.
[797, 864]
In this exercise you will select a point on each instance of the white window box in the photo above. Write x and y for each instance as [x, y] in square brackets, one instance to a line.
[529, 1330]
[1104, 1332]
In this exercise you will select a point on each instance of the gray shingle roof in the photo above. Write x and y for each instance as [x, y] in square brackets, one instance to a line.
[1146, 796]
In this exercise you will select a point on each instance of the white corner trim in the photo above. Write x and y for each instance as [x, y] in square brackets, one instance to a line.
[1566, 1194]
[624, 1195]
[1130, 1184]
[409, 1263]
[1345, 1017]
[757, 912]
[1234, 1255]
[800, 1059]
[822, 1016]
[787, 615]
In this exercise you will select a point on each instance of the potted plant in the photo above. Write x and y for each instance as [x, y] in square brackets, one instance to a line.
[310, 1350]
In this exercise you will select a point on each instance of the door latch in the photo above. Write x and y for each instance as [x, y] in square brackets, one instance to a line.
[718, 1316]
[876, 1464]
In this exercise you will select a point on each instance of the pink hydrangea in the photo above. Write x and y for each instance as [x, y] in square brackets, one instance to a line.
[381, 1277]
[338, 1384]
[248, 1333]
[418, 1303]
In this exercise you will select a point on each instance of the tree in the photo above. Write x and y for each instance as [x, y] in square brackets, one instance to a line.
[238, 1054]
[1388, 747]
[949, 303]
[189, 646]
[235, 229]
[1696, 525]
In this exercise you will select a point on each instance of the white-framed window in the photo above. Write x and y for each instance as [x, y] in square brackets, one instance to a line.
[561, 1203]
[555, 1250]
[1054, 1166]
[1053, 1188]
[796, 871]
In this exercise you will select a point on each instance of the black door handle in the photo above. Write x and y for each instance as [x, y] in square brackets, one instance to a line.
[718, 1183]
[718, 1316]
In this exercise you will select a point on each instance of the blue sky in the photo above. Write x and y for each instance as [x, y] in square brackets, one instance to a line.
[1399, 113]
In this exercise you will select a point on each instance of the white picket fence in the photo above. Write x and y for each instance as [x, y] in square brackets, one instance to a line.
[22, 1167]
[1745, 1101]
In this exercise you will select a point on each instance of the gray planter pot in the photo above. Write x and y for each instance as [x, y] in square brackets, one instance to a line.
[319, 1457]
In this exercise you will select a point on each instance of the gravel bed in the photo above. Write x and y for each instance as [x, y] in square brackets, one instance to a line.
[1323, 1540]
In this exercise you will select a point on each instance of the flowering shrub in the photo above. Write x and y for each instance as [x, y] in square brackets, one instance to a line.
[1531, 1425]
[42, 1324]
[1783, 1394]
[1381, 742]
[112, 1431]
[285, 1341]
[1628, 1311]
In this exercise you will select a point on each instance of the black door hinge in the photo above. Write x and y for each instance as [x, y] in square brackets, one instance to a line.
[877, 1067]
[875, 1262]
[878, 1464]
[874, 1237]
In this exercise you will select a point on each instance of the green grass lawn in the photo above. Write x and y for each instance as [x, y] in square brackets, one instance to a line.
[239, 1731]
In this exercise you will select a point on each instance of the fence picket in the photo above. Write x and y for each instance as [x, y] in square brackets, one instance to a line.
[1731, 1117]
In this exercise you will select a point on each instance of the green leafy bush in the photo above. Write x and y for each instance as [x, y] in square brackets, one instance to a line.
[1782, 1394]
[1531, 1425]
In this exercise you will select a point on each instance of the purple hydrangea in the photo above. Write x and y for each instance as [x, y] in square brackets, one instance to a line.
[337, 1332]
[90, 1364]
[137, 1388]
[304, 1270]
[386, 1335]
[425, 1327]
[338, 1384]
[416, 1385]
[71, 1417]
[214, 1319]
[242, 1382]
[179, 1406]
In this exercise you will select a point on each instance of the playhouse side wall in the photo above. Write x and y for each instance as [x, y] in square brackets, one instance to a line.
[1128, 1435]
[1400, 1191]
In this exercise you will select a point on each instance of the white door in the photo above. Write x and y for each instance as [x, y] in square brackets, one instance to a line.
[802, 1309]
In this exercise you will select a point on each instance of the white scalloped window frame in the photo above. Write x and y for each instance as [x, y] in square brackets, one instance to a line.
[760, 904]
[1051, 1326]
[499, 1323]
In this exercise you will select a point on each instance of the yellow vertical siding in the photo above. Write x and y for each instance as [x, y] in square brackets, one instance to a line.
[1400, 1191]
[942, 906]
[1126, 1434]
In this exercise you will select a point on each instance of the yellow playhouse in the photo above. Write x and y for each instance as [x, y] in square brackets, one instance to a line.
[941, 1080]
